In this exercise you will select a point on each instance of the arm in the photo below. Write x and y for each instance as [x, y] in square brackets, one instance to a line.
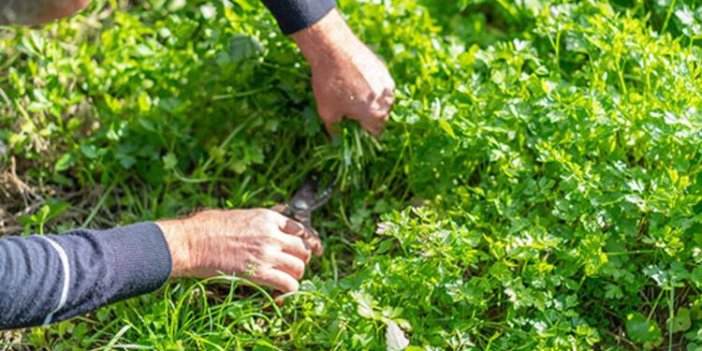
[348, 79]
[54, 277]
[51, 278]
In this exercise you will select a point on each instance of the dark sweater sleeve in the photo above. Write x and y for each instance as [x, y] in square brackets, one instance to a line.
[49, 278]
[294, 15]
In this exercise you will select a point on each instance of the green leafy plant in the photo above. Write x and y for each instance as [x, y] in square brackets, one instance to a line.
[537, 188]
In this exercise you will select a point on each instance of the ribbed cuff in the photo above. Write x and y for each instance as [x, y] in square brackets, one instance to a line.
[141, 260]
[295, 15]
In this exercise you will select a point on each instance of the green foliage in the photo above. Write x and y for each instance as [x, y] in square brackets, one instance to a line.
[539, 186]
[643, 331]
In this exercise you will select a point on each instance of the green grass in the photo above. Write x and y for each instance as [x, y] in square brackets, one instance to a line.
[539, 186]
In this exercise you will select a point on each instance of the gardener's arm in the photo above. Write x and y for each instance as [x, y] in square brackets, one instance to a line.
[348, 79]
[54, 277]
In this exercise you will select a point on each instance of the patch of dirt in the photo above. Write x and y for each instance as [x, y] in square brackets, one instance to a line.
[12, 340]
[16, 199]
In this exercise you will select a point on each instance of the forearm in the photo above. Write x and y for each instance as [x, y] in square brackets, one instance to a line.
[33, 12]
[327, 39]
[51, 278]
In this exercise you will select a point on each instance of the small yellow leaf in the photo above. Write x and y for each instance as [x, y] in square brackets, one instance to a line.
[447, 128]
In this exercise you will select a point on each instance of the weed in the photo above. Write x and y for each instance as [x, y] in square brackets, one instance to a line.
[537, 188]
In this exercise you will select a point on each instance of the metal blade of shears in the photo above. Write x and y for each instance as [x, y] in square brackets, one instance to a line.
[308, 198]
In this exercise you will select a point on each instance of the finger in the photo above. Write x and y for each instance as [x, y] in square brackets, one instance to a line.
[278, 298]
[310, 240]
[289, 264]
[373, 125]
[275, 218]
[387, 99]
[378, 116]
[330, 118]
[280, 208]
[372, 118]
[295, 246]
[278, 280]
[309, 236]
[314, 241]
[292, 227]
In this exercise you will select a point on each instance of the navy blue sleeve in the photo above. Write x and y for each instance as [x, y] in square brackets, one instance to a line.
[49, 278]
[294, 15]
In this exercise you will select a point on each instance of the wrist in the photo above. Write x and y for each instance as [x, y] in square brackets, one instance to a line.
[325, 40]
[175, 232]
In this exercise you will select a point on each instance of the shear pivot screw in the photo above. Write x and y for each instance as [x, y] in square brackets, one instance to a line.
[300, 205]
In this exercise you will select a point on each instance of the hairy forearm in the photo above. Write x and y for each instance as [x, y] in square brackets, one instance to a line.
[325, 39]
[33, 12]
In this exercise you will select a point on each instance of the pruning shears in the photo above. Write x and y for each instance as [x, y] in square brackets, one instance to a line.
[308, 198]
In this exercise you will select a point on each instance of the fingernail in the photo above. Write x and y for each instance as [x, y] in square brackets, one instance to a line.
[277, 297]
[319, 249]
[292, 227]
[280, 297]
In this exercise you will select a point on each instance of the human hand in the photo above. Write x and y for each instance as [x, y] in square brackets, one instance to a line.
[348, 79]
[260, 245]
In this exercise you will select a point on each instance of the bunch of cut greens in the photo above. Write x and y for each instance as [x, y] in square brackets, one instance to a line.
[347, 155]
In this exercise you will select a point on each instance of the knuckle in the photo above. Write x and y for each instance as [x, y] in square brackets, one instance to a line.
[270, 215]
[373, 95]
[379, 114]
[270, 252]
[272, 241]
[390, 99]
[260, 212]
[266, 218]
[270, 231]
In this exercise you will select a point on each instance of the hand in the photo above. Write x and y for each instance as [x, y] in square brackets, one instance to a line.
[348, 79]
[260, 245]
